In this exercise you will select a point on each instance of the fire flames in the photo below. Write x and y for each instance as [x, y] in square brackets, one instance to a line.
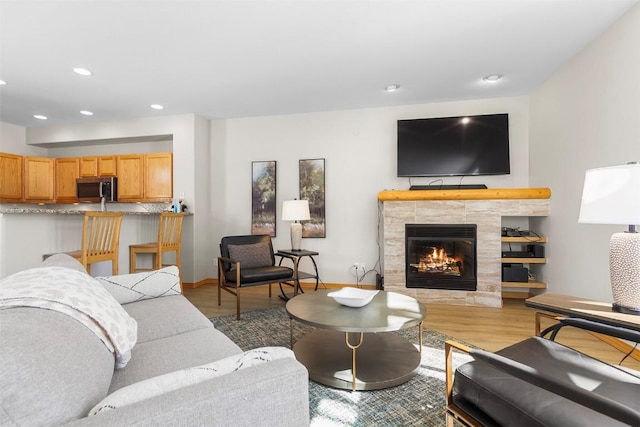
[437, 261]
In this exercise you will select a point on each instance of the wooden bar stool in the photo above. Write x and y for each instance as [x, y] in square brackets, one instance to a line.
[100, 239]
[169, 237]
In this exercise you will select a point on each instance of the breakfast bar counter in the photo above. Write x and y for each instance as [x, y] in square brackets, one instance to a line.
[29, 232]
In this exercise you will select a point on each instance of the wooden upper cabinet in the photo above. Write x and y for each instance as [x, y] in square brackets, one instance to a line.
[107, 166]
[130, 177]
[10, 177]
[158, 177]
[39, 178]
[92, 166]
[88, 167]
[67, 172]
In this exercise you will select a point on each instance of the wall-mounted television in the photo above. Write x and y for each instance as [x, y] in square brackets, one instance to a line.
[454, 146]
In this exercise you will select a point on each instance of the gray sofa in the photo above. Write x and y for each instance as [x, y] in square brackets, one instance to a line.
[54, 371]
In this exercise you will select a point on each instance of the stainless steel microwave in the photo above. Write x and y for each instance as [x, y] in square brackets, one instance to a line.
[94, 189]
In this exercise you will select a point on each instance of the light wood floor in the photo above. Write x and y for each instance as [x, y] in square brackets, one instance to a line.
[487, 328]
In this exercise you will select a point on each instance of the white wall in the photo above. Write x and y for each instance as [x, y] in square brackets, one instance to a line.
[359, 147]
[587, 115]
[13, 140]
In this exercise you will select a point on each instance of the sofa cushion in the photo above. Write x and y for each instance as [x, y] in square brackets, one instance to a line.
[251, 255]
[260, 275]
[128, 288]
[166, 316]
[53, 370]
[153, 358]
[510, 401]
[162, 384]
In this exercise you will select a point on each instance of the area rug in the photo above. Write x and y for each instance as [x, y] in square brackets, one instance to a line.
[418, 402]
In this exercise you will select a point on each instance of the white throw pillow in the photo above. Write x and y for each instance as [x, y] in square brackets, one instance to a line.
[159, 385]
[133, 287]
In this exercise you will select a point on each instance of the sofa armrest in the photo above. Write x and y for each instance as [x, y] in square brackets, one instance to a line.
[271, 394]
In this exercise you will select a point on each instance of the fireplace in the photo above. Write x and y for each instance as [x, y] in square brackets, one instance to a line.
[441, 256]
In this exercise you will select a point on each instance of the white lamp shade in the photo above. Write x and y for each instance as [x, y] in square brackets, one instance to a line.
[295, 210]
[611, 195]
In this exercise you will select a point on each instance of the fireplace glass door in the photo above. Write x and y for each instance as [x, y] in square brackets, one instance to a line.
[441, 256]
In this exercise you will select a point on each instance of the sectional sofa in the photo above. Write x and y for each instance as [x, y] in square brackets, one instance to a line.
[163, 364]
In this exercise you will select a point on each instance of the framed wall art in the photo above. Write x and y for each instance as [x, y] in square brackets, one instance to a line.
[263, 198]
[312, 189]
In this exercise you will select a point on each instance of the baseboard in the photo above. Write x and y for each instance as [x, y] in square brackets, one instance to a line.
[207, 281]
[312, 285]
[305, 285]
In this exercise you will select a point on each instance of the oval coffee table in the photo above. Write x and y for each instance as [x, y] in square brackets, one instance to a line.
[354, 348]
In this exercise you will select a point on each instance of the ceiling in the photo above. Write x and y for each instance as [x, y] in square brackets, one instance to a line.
[238, 58]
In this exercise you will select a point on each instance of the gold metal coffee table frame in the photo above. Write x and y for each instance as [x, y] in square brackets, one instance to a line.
[355, 348]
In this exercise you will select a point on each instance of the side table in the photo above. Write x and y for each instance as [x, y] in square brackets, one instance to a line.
[583, 308]
[296, 256]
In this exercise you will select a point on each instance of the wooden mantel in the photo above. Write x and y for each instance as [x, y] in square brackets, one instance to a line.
[471, 194]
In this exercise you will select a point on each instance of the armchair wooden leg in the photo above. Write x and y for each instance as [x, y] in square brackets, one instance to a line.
[237, 303]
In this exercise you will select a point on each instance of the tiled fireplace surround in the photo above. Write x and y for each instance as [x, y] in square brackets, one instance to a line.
[482, 207]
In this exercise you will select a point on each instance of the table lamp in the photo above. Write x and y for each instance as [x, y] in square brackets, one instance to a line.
[611, 195]
[295, 210]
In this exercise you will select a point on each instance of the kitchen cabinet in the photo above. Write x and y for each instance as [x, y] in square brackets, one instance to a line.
[39, 178]
[107, 166]
[88, 167]
[141, 177]
[130, 177]
[67, 172]
[92, 166]
[145, 177]
[158, 177]
[10, 178]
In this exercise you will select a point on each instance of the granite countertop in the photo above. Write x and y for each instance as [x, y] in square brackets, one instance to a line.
[24, 210]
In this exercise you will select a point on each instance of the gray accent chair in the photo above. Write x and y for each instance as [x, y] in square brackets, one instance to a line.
[539, 382]
[249, 261]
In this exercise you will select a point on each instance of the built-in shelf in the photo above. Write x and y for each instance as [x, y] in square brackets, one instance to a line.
[531, 260]
[524, 239]
[516, 295]
[532, 284]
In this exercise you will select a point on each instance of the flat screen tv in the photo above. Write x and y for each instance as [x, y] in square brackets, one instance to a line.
[454, 146]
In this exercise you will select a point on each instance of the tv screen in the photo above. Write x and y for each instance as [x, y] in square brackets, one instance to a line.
[450, 146]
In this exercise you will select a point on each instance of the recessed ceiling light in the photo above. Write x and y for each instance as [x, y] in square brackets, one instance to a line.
[40, 117]
[392, 88]
[2, 82]
[86, 113]
[156, 106]
[82, 71]
[492, 78]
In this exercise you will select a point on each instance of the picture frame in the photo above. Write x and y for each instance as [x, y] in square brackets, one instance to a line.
[312, 188]
[263, 197]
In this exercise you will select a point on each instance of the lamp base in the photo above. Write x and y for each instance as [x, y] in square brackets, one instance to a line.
[624, 268]
[625, 310]
[296, 236]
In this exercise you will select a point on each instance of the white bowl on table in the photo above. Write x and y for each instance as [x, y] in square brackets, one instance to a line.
[353, 297]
